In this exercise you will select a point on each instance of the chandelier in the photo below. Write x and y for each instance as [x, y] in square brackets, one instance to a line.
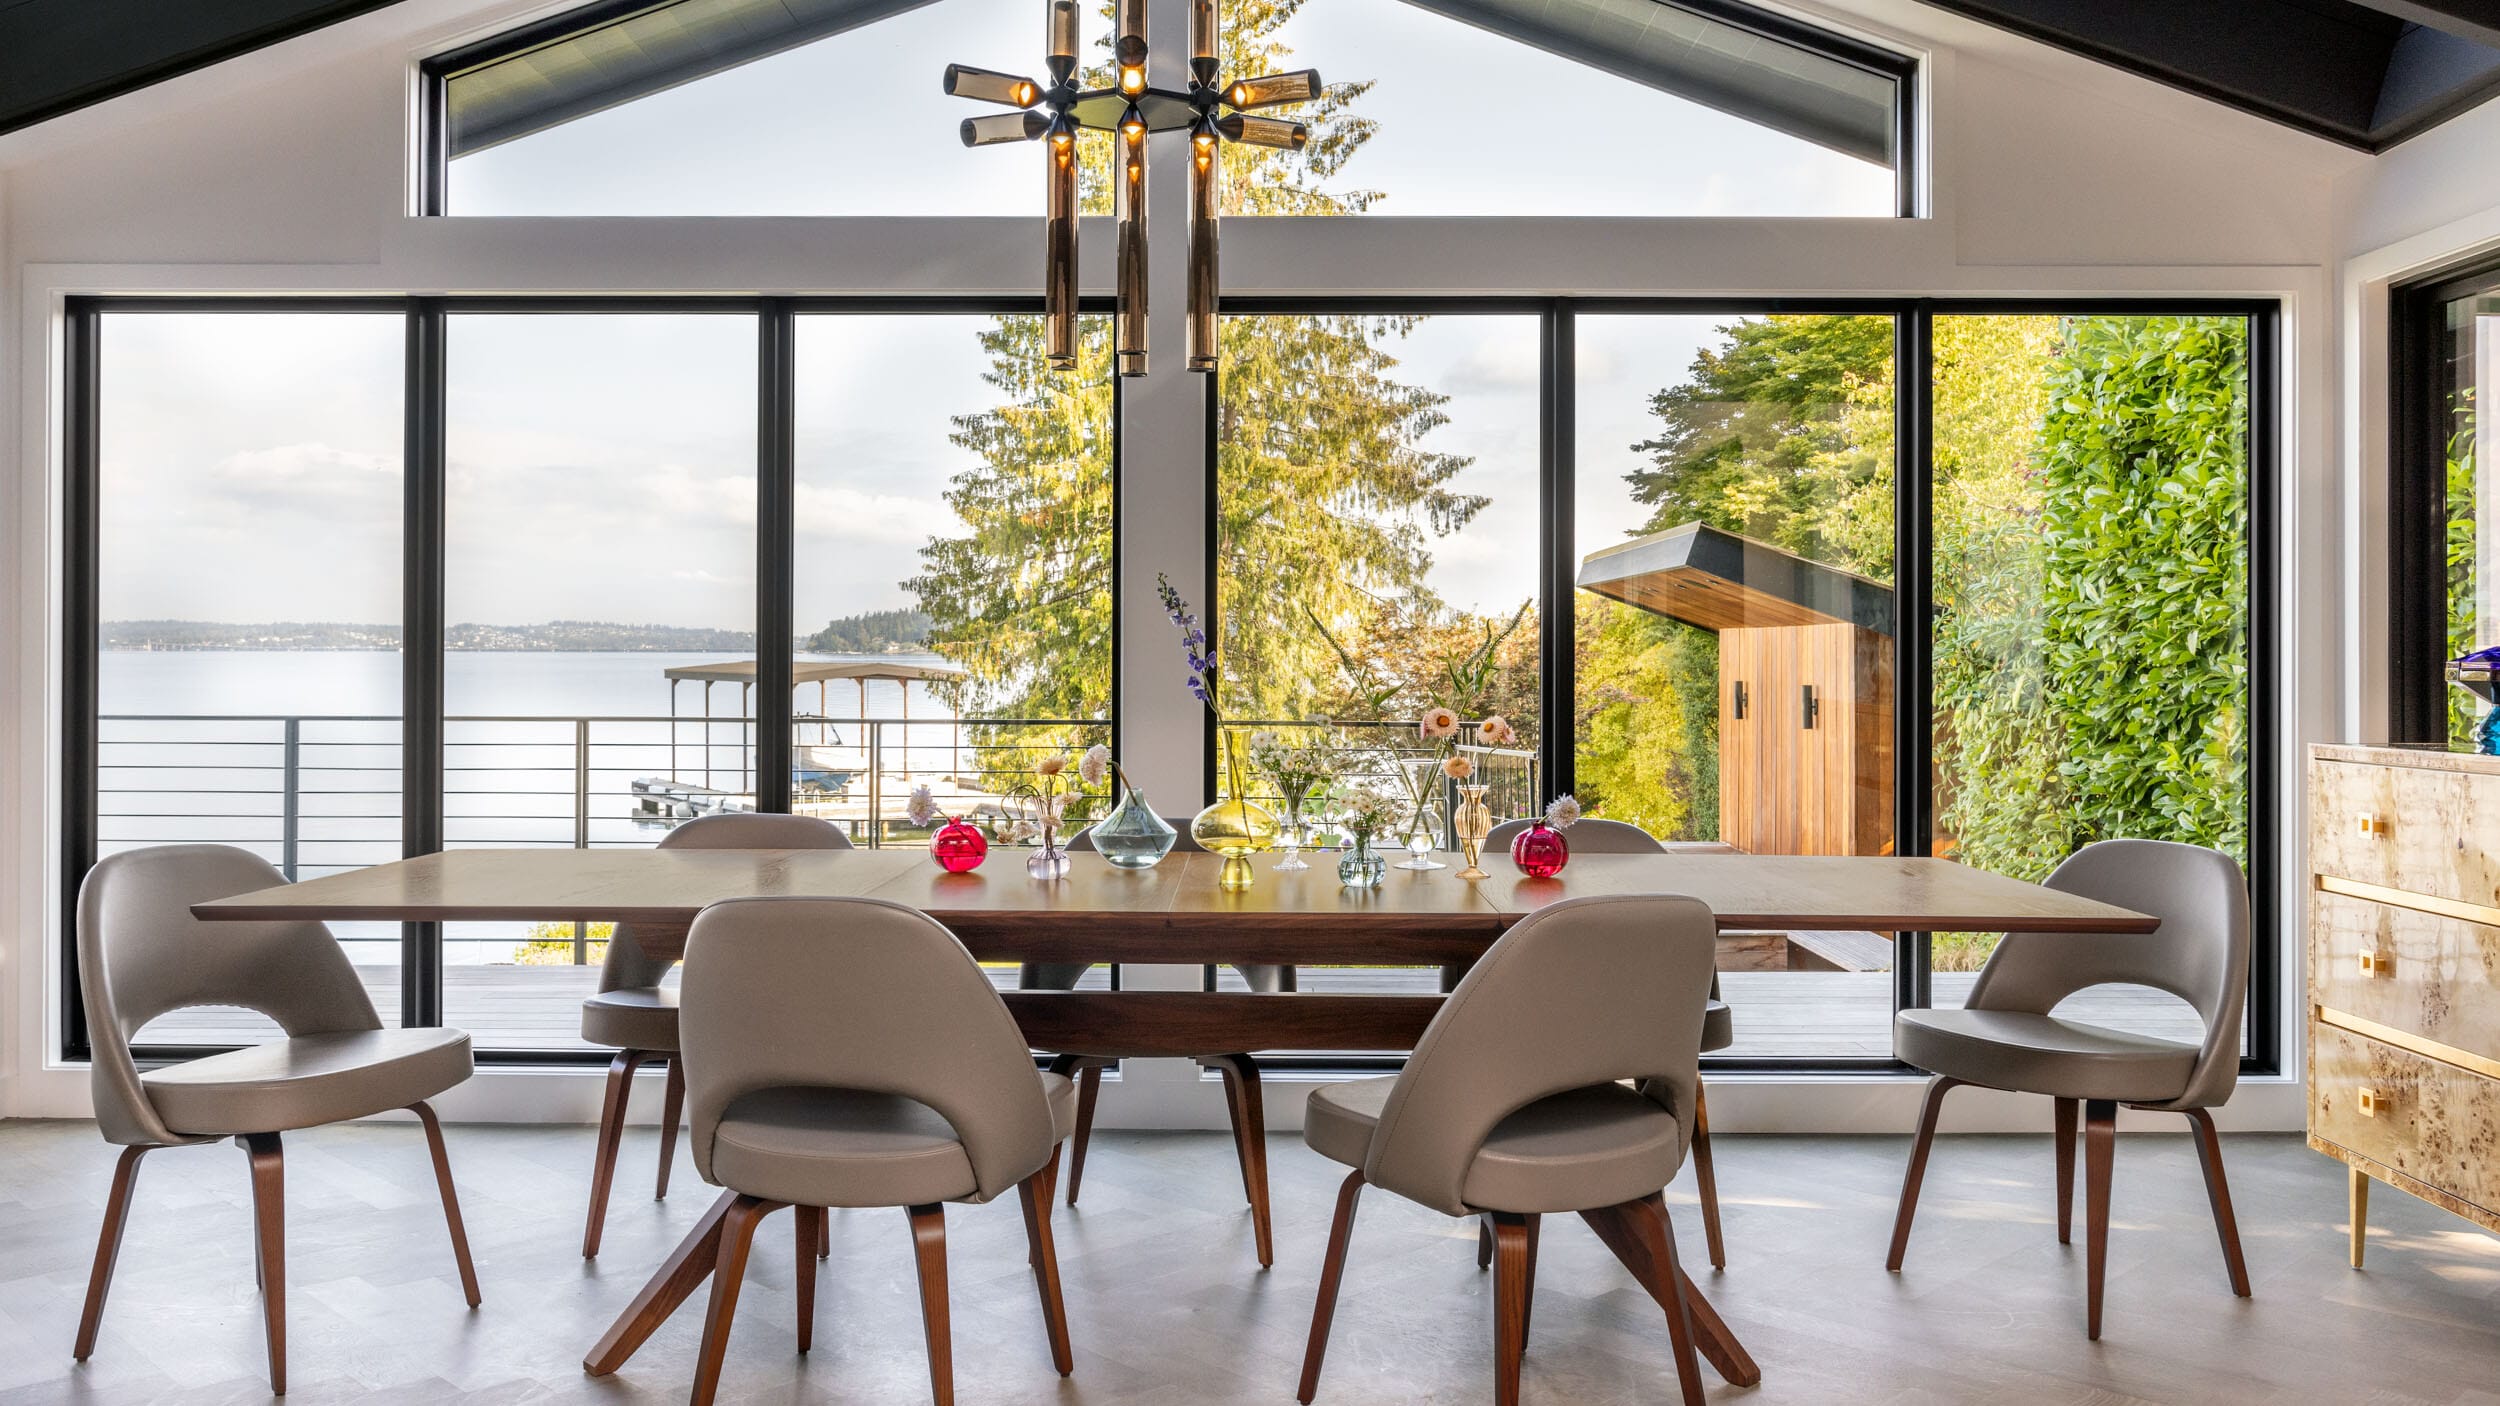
[1211, 111]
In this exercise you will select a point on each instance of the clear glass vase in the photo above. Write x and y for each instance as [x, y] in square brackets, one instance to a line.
[1290, 838]
[1361, 867]
[1419, 845]
[1234, 827]
[1132, 836]
[1474, 821]
[1050, 862]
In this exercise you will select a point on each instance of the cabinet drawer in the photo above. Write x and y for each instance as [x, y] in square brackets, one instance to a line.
[2409, 828]
[2435, 977]
[2431, 1121]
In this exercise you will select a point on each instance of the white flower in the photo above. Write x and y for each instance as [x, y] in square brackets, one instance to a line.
[1051, 765]
[1095, 765]
[1458, 768]
[922, 811]
[1563, 812]
[1437, 723]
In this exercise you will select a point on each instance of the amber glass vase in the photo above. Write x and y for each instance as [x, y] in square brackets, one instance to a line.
[1234, 827]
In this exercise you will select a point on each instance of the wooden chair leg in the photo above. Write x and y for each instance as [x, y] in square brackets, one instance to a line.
[2218, 1192]
[611, 1133]
[1527, 1298]
[1331, 1274]
[1937, 1088]
[1510, 1304]
[824, 1236]
[2067, 1112]
[451, 1198]
[1088, 1088]
[1248, 1103]
[1484, 1244]
[2100, 1143]
[672, 1108]
[737, 1236]
[809, 1225]
[1639, 1235]
[269, 1215]
[108, 1249]
[1035, 1193]
[1706, 1179]
[2357, 1197]
[670, 1285]
[928, 1238]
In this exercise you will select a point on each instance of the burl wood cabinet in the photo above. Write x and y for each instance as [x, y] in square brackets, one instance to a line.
[2404, 975]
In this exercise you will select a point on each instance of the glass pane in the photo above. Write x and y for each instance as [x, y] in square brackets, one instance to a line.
[955, 564]
[744, 110]
[2470, 360]
[1377, 512]
[600, 554]
[1733, 513]
[249, 585]
[1427, 114]
[2091, 490]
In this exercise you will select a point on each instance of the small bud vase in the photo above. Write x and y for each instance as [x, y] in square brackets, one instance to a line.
[1360, 867]
[958, 848]
[1474, 820]
[1132, 836]
[1234, 827]
[1050, 862]
[1540, 851]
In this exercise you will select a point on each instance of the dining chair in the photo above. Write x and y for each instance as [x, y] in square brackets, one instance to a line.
[881, 1069]
[1244, 1102]
[1514, 1105]
[1718, 1028]
[633, 1014]
[141, 953]
[2007, 1035]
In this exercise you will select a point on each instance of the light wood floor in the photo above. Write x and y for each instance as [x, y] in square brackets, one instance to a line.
[1167, 1307]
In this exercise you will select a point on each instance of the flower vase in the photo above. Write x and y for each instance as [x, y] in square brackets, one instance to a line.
[1419, 844]
[1540, 851]
[1474, 821]
[1132, 836]
[1290, 837]
[1233, 827]
[1050, 862]
[958, 848]
[1360, 867]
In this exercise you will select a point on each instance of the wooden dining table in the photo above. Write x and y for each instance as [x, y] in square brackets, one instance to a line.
[1172, 913]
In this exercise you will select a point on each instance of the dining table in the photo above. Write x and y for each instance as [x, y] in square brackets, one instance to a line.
[1174, 912]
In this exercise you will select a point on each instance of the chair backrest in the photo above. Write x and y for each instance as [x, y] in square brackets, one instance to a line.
[1589, 836]
[141, 954]
[1182, 843]
[626, 963]
[1586, 992]
[2198, 954]
[856, 993]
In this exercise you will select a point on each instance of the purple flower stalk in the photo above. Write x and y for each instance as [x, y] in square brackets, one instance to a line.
[1194, 646]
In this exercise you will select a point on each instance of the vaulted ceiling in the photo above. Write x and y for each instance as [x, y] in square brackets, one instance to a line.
[2366, 73]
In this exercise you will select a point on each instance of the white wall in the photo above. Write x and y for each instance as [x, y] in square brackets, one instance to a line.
[288, 170]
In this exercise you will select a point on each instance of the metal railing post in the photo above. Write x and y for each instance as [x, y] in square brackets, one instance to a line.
[290, 784]
[876, 779]
[581, 822]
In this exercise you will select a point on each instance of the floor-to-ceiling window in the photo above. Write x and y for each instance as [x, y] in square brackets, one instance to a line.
[2445, 490]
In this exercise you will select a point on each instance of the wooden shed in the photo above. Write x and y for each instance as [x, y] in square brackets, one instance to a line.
[1805, 682]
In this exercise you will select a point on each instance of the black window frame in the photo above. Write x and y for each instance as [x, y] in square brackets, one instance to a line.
[2417, 499]
[1914, 321]
[424, 438]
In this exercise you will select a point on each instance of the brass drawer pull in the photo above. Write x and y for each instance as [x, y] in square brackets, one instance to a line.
[2377, 964]
[2372, 1103]
[2375, 827]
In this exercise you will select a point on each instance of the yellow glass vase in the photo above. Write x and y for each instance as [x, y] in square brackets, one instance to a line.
[1474, 822]
[1234, 827]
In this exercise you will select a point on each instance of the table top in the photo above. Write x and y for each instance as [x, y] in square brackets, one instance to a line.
[668, 887]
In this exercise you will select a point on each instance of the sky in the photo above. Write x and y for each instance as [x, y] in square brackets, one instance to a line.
[602, 467]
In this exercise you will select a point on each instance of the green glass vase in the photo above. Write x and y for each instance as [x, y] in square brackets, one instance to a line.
[1234, 827]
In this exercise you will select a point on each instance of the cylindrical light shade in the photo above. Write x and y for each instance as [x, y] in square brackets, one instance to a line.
[1262, 131]
[1059, 245]
[1128, 51]
[1206, 188]
[999, 128]
[1296, 87]
[1129, 206]
[982, 85]
[1062, 42]
[1203, 39]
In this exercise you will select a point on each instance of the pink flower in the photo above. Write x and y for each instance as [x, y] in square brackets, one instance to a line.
[1052, 766]
[1496, 731]
[1437, 723]
[1459, 768]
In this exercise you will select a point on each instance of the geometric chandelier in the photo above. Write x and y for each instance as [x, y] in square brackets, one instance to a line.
[1210, 111]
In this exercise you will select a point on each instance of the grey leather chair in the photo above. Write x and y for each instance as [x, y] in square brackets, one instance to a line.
[141, 953]
[1244, 1101]
[2008, 1037]
[1718, 1029]
[636, 1016]
[1513, 1106]
[879, 1069]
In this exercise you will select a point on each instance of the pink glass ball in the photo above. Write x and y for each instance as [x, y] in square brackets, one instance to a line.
[958, 848]
[1540, 851]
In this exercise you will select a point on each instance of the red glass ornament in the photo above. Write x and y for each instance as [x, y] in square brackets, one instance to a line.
[1540, 851]
[958, 848]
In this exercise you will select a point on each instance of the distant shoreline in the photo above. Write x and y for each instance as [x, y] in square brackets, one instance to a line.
[553, 637]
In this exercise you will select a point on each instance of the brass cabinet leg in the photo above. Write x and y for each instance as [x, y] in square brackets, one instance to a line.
[269, 1214]
[2357, 1191]
[611, 1133]
[672, 1108]
[2068, 1110]
[1706, 1179]
[928, 1238]
[1331, 1274]
[1937, 1088]
[737, 1236]
[2218, 1192]
[108, 1249]
[2100, 1144]
[451, 1198]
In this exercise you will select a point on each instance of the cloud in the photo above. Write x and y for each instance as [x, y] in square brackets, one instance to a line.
[849, 515]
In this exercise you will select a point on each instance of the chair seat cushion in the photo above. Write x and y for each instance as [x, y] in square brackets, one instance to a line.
[2041, 1054]
[1718, 1026]
[1574, 1151]
[844, 1147]
[632, 1018]
[307, 1081]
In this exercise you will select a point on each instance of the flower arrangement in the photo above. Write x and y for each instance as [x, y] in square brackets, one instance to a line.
[1297, 768]
[1540, 851]
[1364, 811]
[1233, 827]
